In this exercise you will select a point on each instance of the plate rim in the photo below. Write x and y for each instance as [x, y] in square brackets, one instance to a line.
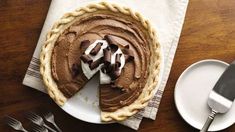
[180, 78]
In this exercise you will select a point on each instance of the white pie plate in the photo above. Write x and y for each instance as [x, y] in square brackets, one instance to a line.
[85, 104]
[192, 90]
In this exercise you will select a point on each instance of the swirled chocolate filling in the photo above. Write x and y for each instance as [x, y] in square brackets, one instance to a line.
[126, 33]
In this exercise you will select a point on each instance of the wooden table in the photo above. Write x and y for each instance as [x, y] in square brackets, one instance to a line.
[208, 32]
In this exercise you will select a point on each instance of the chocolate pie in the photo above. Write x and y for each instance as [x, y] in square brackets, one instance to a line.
[112, 41]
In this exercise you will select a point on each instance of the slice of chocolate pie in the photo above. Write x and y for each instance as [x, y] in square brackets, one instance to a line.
[109, 40]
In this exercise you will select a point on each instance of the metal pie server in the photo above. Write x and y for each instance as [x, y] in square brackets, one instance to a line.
[222, 96]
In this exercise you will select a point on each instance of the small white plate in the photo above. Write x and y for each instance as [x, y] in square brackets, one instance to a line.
[85, 104]
[192, 90]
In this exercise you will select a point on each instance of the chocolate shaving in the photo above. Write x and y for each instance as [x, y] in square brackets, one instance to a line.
[118, 59]
[109, 39]
[129, 55]
[108, 68]
[75, 70]
[96, 49]
[85, 44]
[127, 46]
[114, 74]
[103, 69]
[107, 56]
[129, 58]
[113, 47]
[114, 67]
[86, 59]
[128, 52]
[112, 70]
[96, 63]
[111, 43]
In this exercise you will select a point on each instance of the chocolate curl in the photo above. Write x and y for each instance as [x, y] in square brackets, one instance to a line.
[109, 39]
[127, 46]
[107, 56]
[106, 69]
[75, 70]
[115, 75]
[118, 59]
[86, 59]
[96, 49]
[103, 69]
[85, 44]
[129, 55]
[113, 47]
[114, 67]
[114, 72]
[96, 63]
[111, 43]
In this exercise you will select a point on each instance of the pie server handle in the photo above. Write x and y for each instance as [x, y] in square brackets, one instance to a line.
[208, 121]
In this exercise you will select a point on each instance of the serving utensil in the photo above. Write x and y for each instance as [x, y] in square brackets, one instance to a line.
[222, 96]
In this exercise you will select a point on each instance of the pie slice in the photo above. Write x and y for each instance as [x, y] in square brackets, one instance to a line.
[106, 39]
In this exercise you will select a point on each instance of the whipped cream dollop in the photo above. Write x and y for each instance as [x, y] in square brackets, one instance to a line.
[90, 72]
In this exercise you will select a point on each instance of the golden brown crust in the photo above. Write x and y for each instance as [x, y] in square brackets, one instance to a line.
[154, 66]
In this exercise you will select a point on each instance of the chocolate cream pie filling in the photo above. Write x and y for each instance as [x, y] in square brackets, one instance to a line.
[111, 45]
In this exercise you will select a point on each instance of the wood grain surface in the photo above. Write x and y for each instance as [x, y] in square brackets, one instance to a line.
[208, 32]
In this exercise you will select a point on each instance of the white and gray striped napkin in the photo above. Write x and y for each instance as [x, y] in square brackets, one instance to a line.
[167, 16]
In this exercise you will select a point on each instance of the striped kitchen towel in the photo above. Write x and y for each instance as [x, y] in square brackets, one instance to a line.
[167, 16]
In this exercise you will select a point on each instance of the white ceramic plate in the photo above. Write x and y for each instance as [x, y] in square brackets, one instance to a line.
[192, 91]
[85, 104]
